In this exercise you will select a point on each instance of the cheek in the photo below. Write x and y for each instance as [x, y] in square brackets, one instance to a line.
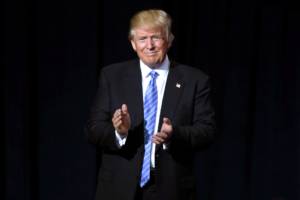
[162, 47]
[140, 48]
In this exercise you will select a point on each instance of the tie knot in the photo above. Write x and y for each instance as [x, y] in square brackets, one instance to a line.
[153, 74]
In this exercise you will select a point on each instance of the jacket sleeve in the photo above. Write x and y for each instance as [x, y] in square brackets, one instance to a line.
[100, 130]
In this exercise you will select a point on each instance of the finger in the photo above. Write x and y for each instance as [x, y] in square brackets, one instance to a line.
[154, 140]
[116, 119]
[165, 135]
[117, 112]
[158, 139]
[162, 135]
[118, 124]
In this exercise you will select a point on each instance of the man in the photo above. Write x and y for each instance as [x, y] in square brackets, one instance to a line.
[149, 118]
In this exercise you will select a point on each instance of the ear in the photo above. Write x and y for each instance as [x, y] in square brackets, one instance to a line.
[133, 44]
[171, 38]
[169, 45]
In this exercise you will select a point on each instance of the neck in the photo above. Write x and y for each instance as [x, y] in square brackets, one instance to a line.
[156, 65]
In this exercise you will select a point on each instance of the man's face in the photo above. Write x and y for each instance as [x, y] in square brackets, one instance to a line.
[150, 45]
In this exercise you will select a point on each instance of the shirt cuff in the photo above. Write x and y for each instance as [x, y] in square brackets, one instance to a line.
[165, 146]
[120, 140]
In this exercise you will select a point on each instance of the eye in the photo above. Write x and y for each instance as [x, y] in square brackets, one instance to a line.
[142, 39]
[156, 38]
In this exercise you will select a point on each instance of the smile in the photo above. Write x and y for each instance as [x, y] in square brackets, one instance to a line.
[151, 53]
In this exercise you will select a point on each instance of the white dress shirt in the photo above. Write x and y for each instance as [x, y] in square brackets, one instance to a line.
[161, 80]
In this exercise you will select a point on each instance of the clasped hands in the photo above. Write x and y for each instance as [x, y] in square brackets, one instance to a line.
[122, 122]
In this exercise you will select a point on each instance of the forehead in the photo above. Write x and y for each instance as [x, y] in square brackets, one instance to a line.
[146, 30]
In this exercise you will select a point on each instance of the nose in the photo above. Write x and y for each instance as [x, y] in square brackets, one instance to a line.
[149, 43]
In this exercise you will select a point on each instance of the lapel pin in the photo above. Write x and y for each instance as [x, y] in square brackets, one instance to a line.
[178, 85]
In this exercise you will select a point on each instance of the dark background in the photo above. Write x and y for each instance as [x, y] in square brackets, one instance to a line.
[55, 49]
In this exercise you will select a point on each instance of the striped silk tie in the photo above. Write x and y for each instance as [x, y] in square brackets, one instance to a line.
[150, 107]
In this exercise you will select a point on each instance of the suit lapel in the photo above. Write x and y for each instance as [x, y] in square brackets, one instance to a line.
[173, 91]
[133, 91]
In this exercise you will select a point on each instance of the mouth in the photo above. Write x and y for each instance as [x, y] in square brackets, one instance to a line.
[151, 53]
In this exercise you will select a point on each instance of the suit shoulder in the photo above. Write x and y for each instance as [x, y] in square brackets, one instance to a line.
[119, 67]
[191, 72]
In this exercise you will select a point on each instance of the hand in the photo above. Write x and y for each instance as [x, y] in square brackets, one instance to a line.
[165, 132]
[121, 120]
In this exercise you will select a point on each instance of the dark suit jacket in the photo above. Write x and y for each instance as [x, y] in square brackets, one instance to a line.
[186, 103]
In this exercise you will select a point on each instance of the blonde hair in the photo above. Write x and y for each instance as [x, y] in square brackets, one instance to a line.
[152, 18]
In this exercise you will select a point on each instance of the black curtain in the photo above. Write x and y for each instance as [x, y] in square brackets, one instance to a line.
[55, 49]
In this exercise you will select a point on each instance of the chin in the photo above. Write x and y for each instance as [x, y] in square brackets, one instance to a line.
[154, 61]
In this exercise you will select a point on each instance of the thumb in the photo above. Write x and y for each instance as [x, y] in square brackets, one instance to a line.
[167, 121]
[124, 108]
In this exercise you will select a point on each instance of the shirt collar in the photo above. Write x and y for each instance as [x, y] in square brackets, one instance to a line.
[162, 70]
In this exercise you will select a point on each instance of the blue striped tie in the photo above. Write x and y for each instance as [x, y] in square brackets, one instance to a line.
[150, 107]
